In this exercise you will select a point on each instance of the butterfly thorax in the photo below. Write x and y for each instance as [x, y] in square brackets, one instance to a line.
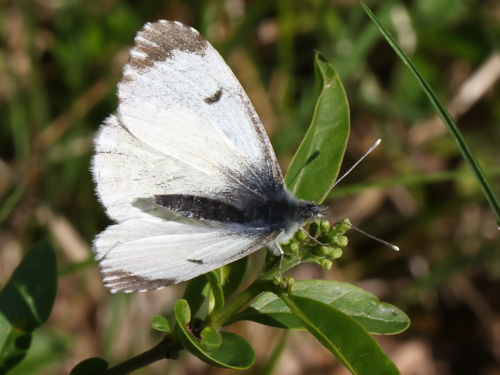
[278, 212]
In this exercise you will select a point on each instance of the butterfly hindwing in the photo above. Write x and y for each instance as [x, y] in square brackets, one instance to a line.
[150, 253]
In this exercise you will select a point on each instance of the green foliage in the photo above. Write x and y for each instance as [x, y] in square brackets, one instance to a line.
[227, 350]
[342, 335]
[374, 316]
[211, 339]
[215, 280]
[25, 303]
[232, 276]
[320, 154]
[160, 323]
[198, 294]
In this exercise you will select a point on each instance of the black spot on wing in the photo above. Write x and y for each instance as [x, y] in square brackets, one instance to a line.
[215, 97]
[197, 261]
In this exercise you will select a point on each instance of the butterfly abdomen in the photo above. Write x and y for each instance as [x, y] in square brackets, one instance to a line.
[201, 208]
[277, 213]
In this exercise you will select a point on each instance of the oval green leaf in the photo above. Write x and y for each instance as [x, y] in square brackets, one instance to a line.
[197, 293]
[14, 345]
[316, 163]
[160, 323]
[343, 336]
[26, 303]
[211, 339]
[232, 276]
[375, 316]
[27, 299]
[233, 352]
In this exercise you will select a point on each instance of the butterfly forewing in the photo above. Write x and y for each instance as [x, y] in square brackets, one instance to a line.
[179, 97]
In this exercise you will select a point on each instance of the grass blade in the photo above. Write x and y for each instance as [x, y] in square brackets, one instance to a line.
[445, 116]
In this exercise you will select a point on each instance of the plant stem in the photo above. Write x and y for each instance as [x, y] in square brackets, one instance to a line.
[261, 285]
[166, 349]
[217, 320]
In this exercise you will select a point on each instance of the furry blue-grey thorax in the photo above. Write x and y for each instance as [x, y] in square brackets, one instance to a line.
[279, 212]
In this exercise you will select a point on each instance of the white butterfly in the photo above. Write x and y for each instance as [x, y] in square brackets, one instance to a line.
[185, 168]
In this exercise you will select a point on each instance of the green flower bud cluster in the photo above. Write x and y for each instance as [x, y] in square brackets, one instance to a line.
[289, 283]
[331, 240]
[292, 246]
[323, 244]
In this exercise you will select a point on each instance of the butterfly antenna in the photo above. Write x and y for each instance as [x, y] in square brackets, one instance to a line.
[393, 247]
[311, 237]
[372, 147]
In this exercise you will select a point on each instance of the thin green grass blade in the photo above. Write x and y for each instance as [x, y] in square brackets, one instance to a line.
[273, 360]
[10, 203]
[445, 116]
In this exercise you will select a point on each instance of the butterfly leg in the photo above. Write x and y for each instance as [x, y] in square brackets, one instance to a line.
[282, 254]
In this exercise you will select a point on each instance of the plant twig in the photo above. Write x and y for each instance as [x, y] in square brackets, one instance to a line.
[166, 349]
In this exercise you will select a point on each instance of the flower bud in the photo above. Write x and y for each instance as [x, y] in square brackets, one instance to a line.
[324, 225]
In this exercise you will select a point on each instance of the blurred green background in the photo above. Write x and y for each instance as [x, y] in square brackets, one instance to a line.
[60, 62]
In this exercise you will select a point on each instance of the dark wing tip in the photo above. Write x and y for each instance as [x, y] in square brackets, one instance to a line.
[157, 41]
[122, 281]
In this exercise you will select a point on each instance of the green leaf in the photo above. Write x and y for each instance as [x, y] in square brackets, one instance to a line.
[214, 279]
[14, 345]
[445, 116]
[342, 335]
[160, 323]
[26, 303]
[197, 293]
[93, 365]
[316, 163]
[232, 276]
[27, 299]
[211, 339]
[375, 316]
[233, 352]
